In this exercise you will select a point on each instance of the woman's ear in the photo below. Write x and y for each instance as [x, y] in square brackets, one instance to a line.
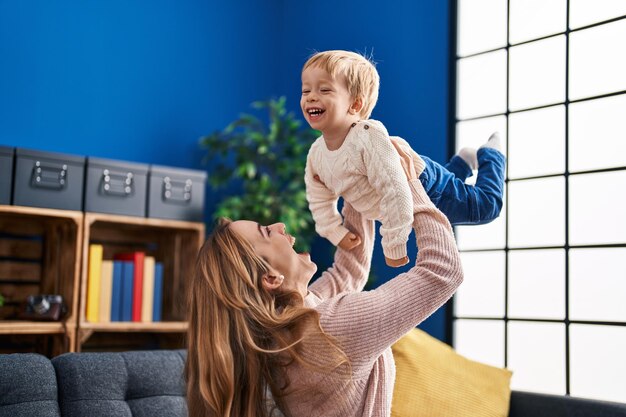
[357, 105]
[272, 282]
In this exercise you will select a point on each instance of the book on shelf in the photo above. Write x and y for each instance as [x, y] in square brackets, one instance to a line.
[116, 291]
[106, 289]
[137, 259]
[93, 282]
[157, 309]
[147, 301]
[128, 273]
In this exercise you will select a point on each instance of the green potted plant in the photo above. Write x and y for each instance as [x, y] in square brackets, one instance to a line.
[267, 160]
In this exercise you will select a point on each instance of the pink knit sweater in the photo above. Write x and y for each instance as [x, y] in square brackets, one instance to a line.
[367, 323]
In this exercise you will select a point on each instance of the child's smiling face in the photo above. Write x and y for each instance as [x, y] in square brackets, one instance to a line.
[326, 102]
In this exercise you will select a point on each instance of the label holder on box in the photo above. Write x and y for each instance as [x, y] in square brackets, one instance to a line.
[177, 192]
[48, 176]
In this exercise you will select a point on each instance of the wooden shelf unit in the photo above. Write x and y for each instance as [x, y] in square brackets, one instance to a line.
[40, 251]
[172, 242]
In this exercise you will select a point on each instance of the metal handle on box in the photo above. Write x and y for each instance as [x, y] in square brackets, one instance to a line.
[48, 176]
[117, 184]
[176, 192]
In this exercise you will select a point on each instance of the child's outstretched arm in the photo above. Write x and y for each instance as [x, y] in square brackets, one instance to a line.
[323, 206]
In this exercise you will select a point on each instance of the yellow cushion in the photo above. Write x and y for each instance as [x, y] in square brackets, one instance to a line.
[433, 380]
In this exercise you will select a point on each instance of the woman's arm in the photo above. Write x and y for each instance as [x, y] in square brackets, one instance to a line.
[367, 323]
[350, 271]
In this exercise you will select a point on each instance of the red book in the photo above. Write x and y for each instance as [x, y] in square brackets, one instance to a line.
[137, 258]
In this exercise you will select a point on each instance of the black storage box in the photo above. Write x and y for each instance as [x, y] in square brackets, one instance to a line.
[176, 193]
[47, 179]
[116, 187]
[6, 173]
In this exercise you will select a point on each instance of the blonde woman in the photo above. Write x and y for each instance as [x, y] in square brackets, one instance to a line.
[256, 325]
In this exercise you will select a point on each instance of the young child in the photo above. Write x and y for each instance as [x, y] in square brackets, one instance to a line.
[355, 159]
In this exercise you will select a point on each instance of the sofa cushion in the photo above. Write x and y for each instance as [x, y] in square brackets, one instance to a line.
[28, 386]
[525, 404]
[433, 380]
[146, 383]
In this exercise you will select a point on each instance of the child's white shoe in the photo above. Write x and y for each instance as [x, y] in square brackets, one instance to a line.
[493, 142]
[469, 156]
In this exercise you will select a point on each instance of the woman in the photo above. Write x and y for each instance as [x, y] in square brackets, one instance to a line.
[257, 326]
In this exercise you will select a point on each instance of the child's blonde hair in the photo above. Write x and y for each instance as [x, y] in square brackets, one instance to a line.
[360, 72]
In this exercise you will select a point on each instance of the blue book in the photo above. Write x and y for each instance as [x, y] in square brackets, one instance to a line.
[157, 305]
[116, 292]
[127, 290]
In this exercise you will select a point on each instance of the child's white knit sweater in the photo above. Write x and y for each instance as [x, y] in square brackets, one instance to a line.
[367, 173]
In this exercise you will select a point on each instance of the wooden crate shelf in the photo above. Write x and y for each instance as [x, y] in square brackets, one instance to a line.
[171, 242]
[164, 326]
[30, 327]
[40, 251]
[45, 251]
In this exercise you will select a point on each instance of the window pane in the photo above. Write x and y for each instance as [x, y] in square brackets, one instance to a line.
[597, 62]
[536, 284]
[482, 25]
[597, 365]
[482, 85]
[586, 12]
[537, 74]
[482, 292]
[480, 340]
[537, 356]
[597, 134]
[537, 142]
[537, 212]
[486, 236]
[596, 208]
[532, 19]
[596, 284]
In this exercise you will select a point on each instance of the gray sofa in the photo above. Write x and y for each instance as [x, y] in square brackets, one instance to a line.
[150, 383]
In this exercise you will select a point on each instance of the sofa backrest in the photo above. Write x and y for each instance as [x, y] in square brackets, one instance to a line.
[146, 383]
[151, 383]
[28, 386]
[526, 404]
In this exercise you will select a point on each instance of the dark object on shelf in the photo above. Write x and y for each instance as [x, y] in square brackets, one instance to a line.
[176, 193]
[116, 187]
[44, 307]
[6, 173]
[47, 179]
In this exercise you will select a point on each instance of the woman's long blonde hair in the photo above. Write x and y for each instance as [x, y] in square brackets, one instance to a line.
[241, 337]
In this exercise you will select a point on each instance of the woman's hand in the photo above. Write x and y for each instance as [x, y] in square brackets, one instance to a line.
[396, 263]
[406, 159]
[350, 241]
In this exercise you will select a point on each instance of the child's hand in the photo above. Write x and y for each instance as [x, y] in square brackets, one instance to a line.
[395, 263]
[350, 241]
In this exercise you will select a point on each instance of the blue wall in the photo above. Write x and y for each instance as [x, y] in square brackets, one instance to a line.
[143, 80]
[132, 80]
